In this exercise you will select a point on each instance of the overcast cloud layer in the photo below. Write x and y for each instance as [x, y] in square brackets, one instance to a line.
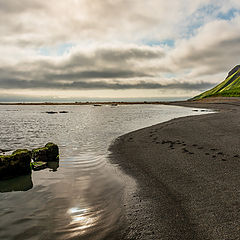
[120, 48]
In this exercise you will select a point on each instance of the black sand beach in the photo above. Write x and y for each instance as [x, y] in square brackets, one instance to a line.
[187, 172]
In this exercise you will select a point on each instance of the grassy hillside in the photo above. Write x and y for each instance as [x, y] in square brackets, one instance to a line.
[230, 87]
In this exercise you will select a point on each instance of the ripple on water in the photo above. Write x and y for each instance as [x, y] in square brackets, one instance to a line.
[82, 198]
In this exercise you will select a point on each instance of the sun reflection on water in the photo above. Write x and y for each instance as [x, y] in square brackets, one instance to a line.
[82, 217]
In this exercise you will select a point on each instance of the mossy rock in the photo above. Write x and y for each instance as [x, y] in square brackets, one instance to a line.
[16, 164]
[36, 166]
[49, 153]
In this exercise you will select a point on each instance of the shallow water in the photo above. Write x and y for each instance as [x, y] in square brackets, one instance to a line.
[82, 197]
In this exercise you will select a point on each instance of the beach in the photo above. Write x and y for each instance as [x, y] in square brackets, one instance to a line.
[187, 174]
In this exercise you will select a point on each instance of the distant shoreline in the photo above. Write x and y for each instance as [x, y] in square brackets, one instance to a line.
[84, 103]
[185, 103]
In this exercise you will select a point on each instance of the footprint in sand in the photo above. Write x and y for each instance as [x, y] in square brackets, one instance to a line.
[213, 149]
[200, 148]
[185, 150]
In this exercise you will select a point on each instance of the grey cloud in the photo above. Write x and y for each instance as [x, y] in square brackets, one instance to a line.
[13, 6]
[56, 21]
[115, 56]
[96, 75]
[117, 85]
[129, 53]
[115, 62]
[215, 58]
[103, 68]
[140, 85]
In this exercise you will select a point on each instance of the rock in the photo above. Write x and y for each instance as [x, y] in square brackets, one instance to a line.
[16, 164]
[36, 166]
[49, 153]
[51, 112]
[63, 112]
[53, 166]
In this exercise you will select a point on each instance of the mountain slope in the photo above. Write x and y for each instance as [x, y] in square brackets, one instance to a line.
[230, 87]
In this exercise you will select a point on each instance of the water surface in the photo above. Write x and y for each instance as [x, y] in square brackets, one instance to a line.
[82, 197]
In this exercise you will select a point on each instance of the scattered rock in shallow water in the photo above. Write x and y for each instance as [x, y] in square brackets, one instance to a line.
[63, 112]
[51, 112]
[53, 166]
[36, 166]
[49, 153]
[16, 164]
[19, 162]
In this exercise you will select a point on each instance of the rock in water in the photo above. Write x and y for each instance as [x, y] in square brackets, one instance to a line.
[38, 165]
[49, 153]
[16, 164]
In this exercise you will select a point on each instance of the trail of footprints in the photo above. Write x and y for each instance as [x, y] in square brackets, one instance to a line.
[185, 148]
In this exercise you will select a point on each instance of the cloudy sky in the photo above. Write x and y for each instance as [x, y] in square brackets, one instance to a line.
[94, 49]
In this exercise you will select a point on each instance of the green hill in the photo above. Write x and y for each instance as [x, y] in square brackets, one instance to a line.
[230, 87]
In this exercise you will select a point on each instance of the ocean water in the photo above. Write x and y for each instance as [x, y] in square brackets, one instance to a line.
[82, 197]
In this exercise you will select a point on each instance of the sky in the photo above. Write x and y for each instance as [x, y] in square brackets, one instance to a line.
[73, 50]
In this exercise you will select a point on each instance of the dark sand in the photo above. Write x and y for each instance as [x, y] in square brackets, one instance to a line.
[188, 175]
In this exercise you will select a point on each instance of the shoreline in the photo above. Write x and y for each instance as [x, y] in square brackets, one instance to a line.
[187, 103]
[81, 103]
[187, 171]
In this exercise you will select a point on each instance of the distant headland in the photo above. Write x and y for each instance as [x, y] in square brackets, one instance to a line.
[230, 87]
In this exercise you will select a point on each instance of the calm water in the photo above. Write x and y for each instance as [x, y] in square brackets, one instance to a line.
[83, 198]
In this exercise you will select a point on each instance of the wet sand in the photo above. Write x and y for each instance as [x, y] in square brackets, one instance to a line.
[187, 171]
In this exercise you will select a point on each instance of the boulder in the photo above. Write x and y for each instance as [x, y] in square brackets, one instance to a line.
[16, 164]
[52, 112]
[49, 153]
[53, 166]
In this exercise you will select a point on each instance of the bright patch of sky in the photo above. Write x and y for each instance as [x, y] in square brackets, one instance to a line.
[167, 42]
[199, 18]
[58, 50]
[170, 75]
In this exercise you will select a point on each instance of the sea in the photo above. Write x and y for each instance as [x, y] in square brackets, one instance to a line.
[82, 196]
